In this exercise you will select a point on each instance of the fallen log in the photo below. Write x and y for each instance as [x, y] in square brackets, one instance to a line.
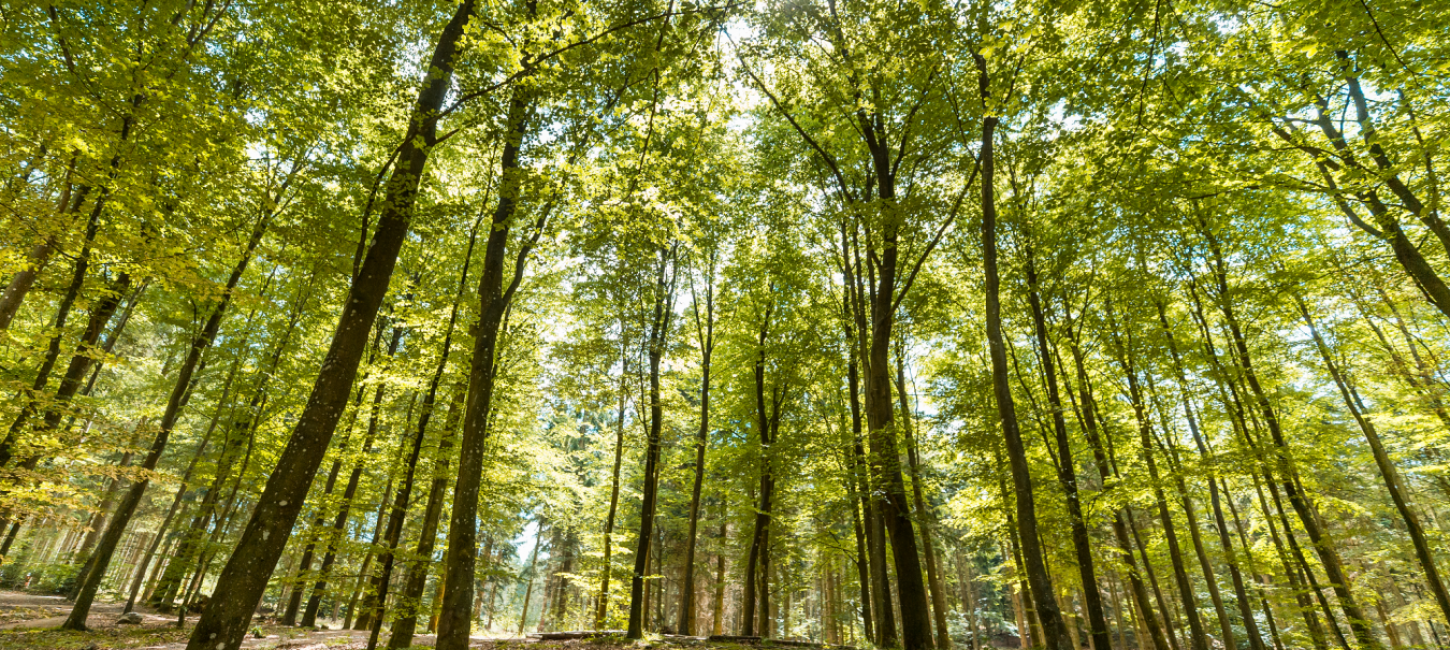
[578, 634]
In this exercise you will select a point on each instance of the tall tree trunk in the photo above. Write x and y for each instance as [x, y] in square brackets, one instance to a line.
[1137, 589]
[924, 517]
[1241, 596]
[174, 405]
[410, 465]
[405, 622]
[1382, 460]
[717, 623]
[229, 612]
[1197, 639]
[705, 326]
[455, 619]
[1318, 536]
[529, 573]
[865, 471]
[364, 616]
[339, 522]
[1066, 466]
[602, 605]
[97, 524]
[659, 330]
[1035, 563]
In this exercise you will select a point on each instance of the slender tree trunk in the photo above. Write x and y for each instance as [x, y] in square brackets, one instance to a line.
[1066, 466]
[756, 576]
[410, 465]
[866, 471]
[924, 517]
[1197, 638]
[717, 624]
[1035, 564]
[1318, 536]
[529, 572]
[602, 606]
[97, 524]
[364, 616]
[243, 581]
[1382, 460]
[1137, 590]
[339, 522]
[405, 622]
[454, 619]
[1241, 595]
[658, 335]
[174, 405]
[706, 326]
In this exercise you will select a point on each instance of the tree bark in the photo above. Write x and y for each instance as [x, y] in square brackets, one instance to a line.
[1137, 590]
[1241, 596]
[706, 330]
[659, 330]
[602, 605]
[174, 405]
[1035, 564]
[229, 612]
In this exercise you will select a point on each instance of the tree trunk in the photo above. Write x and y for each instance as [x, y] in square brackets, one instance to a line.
[229, 612]
[454, 619]
[707, 346]
[410, 465]
[174, 406]
[1318, 536]
[1137, 590]
[1241, 596]
[602, 606]
[1197, 638]
[405, 622]
[1066, 467]
[1036, 566]
[924, 516]
[658, 335]
[1382, 460]
[339, 522]
[529, 571]
[879, 602]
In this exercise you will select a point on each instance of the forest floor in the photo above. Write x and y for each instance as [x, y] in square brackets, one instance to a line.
[30, 621]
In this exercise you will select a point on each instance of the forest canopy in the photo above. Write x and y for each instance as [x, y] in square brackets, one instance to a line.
[915, 325]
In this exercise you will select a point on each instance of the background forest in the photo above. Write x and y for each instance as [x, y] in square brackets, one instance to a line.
[1113, 324]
